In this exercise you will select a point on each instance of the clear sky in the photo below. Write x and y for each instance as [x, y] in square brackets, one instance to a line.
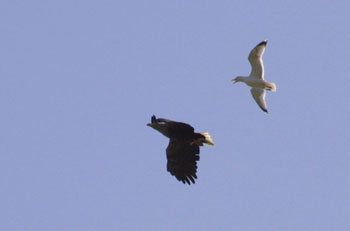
[79, 80]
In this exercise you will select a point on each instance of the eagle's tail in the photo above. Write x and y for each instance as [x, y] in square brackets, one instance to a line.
[207, 140]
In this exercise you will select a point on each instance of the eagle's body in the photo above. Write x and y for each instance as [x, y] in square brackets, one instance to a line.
[183, 149]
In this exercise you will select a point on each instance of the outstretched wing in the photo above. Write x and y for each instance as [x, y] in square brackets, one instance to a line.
[259, 96]
[182, 160]
[255, 59]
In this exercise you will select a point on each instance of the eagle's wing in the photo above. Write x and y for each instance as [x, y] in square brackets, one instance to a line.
[182, 160]
[180, 130]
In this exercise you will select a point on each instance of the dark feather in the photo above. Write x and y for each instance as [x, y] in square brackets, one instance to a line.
[183, 149]
[182, 160]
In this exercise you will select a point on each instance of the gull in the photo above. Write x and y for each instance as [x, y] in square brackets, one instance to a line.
[256, 77]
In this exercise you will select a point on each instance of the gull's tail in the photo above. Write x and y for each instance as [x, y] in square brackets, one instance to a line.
[271, 86]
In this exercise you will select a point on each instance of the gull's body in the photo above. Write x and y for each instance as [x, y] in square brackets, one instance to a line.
[256, 77]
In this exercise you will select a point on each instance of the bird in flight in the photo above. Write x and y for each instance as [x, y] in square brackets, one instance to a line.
[256, 78]
[183, 149]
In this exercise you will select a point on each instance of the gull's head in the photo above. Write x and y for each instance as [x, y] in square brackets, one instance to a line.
[237, 79]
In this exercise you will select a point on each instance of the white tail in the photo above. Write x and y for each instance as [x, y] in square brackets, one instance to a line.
[272, 86]
[208, 139]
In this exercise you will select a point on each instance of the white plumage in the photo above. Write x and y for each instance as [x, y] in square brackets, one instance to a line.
[256, 77]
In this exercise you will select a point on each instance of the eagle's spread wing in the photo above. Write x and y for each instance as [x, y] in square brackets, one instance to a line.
[182, 160]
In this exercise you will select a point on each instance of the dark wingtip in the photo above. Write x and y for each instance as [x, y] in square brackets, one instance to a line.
[188, 180]
[265, 110]
[262, 43]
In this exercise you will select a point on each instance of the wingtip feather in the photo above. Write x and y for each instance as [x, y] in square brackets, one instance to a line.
[263, 43]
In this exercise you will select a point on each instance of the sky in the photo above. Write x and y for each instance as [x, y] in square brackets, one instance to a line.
[79, 81]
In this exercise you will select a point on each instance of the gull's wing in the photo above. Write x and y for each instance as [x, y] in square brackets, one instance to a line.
[255, 59]
[182, 160]
[259, 96]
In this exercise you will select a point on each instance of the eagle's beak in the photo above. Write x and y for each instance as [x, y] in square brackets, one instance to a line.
[149, 125]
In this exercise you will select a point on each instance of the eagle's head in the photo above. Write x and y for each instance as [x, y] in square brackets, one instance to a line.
[159, 124]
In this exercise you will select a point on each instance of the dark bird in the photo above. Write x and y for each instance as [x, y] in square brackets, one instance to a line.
[183, 149]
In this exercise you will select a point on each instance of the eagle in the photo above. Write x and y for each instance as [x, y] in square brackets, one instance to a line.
[183, 149]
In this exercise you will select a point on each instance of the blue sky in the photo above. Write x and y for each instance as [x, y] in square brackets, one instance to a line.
[80, 80]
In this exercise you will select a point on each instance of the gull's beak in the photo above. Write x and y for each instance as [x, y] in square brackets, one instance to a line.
[234, 81]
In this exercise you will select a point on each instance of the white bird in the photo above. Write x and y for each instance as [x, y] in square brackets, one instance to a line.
[256, 77]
